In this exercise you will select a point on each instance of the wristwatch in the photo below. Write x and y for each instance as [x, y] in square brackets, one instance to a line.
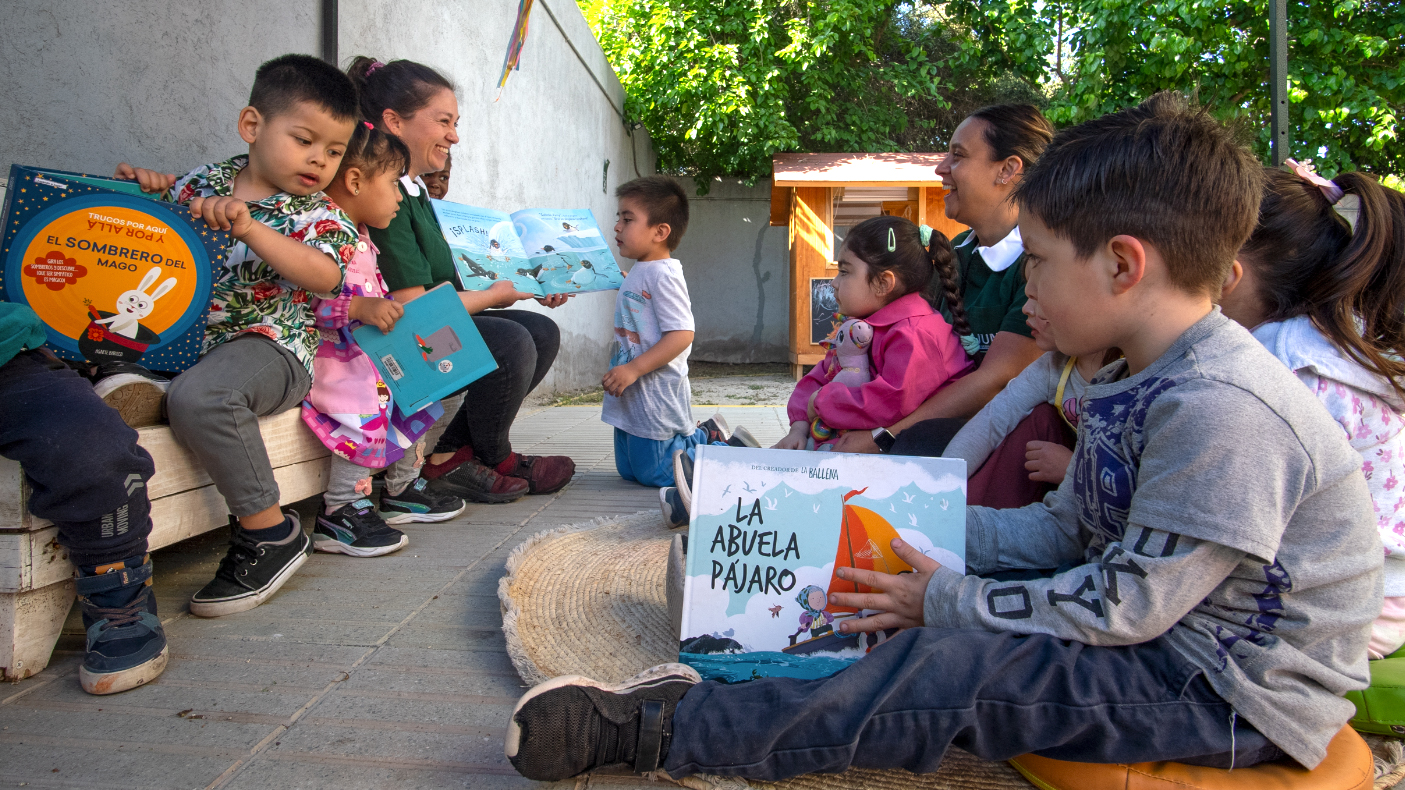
[883, 439]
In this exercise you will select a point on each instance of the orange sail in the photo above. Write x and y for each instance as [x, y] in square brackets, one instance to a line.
[865, 541]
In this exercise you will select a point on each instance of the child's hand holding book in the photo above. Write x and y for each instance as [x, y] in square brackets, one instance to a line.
[150, 180]
[375, 311]
[898, 598]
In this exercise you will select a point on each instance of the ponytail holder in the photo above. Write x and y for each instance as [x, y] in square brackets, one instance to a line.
[926, 232]
[369, 125]
[372, 69]
[1346, 206]
[1304, 170]
[892, 241]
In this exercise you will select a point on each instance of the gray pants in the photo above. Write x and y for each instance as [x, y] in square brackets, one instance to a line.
[214, 409]
[341, 483]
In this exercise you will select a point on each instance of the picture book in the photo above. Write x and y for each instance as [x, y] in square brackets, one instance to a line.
[434, 350]
[115, 275]
[768, 529]
[542, 251]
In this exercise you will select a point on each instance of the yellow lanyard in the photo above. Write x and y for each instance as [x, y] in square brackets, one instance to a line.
[1059, 393]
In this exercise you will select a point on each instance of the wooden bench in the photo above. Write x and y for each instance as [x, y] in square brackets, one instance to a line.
[36, 578]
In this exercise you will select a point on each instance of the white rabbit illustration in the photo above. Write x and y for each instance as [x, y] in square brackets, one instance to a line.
[132, 306]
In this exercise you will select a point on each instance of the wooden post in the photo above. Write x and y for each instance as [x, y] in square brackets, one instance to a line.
[811, 252]
[1278, 79]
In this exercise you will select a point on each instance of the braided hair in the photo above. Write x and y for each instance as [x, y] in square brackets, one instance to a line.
[930, 270]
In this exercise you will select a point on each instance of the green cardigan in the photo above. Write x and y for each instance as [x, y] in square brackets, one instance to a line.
[993, 300]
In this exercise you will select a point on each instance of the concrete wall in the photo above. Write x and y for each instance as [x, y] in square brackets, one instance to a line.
[738, 274]
[86, 84]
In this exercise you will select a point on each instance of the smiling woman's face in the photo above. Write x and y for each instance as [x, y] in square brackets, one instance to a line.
[972, 173]
[429, 132]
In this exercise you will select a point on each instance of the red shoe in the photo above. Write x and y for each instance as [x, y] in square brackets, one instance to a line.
[431, 471]
[544, 473]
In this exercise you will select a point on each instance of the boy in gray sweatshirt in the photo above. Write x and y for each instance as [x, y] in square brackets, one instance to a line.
[1219, 562]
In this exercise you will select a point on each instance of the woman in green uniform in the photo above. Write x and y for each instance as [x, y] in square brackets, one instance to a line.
[474, 458]
[990, 151]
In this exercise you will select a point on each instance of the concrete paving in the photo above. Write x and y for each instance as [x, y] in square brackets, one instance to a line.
[360, 673]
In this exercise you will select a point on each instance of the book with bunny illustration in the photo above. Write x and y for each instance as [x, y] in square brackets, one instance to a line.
[433, 350]
[768, 530]
[115, 275]
[541, 251]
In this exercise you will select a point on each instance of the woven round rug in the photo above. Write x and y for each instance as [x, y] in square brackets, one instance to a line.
[590, 600]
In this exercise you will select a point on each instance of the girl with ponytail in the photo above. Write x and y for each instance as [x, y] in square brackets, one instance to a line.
[892, 274]
[1321, 283]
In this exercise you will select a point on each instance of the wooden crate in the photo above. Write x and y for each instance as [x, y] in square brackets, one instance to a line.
[36, 578]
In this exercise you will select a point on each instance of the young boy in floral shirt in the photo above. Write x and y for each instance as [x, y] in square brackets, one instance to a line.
[291, 241]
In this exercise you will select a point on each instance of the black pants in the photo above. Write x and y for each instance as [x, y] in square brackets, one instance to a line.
[928, 438]
[82, 463]
[524, 345]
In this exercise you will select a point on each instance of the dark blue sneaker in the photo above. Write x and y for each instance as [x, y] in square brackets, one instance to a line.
[126, 646]
[675, 513]
[358, 530]
[419, 503]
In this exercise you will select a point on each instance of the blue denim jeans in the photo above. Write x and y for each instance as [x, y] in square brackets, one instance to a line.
[994, 695]
[650, 461]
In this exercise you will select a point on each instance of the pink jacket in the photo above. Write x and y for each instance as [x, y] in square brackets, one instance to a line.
[914, 354]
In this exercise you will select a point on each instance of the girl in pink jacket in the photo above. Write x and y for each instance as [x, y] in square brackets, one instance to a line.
[889, 273]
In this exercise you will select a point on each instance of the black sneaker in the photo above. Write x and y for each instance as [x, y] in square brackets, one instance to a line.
[675, 513]
[358, 530]
[417, 503]
[252, 571]
[683, 477]
[475, 482]
[571, 724]
[741, 437]
[132, 390]
[126, 645]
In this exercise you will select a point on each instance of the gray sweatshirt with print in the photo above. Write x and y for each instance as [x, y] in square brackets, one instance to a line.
[1211, 498]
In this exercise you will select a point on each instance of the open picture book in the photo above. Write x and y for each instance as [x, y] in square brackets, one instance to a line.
[541, 251]
[768, 529]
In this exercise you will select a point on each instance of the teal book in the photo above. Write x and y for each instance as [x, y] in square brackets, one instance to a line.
[541, 251]
[115, 275]
[433, 351]
[768, 530]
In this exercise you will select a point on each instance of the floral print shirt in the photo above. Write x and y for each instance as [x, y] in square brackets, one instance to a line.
[248, 295]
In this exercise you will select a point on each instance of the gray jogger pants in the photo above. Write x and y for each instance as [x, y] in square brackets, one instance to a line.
[215, 406]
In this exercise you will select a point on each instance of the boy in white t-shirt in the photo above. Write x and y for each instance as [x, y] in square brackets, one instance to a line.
[647, 396]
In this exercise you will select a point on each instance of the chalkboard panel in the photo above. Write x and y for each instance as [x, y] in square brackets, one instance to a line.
[824, 309]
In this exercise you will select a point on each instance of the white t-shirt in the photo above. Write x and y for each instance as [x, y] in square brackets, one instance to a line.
[652, 300]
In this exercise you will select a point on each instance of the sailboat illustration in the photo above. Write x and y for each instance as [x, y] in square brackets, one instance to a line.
[865, 541]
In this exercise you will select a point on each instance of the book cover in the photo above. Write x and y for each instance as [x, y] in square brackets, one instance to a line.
[115, 275]
[434, 350]
[768, 529]
[541, 251]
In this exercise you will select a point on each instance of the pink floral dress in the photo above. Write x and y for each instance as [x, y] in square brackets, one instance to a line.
[350, 408]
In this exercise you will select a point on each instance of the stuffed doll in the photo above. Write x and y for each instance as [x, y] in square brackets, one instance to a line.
[851, 369]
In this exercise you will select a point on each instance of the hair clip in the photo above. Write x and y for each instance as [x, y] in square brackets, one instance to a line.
[892, 241]
[926, 231]
[372, 68]
[1304, 170]
[369, 125]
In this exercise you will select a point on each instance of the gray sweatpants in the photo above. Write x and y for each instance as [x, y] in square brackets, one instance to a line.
[341, 483]
[214, 409]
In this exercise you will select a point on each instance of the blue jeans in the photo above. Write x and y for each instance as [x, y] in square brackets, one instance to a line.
[650, 461]
[994, 695]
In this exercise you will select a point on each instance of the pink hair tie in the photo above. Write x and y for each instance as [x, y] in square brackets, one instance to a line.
[1304, 170]
[369, 125]
[372, 69]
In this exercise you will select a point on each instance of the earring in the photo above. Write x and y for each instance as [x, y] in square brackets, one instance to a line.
[357, 191]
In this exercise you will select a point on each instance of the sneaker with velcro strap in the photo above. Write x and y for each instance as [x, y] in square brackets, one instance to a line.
[252, 570]
[126, 646]
[357, 530]
[419, 503]
[572, 724]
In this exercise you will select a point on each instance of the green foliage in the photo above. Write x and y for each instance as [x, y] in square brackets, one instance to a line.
[723, 84]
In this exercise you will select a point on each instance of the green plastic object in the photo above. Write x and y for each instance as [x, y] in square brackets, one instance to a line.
[1380, 709]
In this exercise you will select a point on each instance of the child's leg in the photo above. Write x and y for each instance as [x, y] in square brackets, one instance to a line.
[622, 460]
[995, 695]
[214, 408]
[350, 524]
[650, 461]
[1002, 481]
[88, 475]
[341, 483]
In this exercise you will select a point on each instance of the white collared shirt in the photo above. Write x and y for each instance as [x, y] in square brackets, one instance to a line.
[1002, 254]
[414, 185]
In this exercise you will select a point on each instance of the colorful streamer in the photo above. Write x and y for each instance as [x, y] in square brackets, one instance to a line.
[512, 59]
